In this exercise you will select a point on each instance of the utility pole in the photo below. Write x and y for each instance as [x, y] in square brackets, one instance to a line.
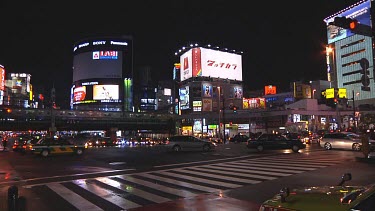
[354, 119]
[52, 129]
[224, 120]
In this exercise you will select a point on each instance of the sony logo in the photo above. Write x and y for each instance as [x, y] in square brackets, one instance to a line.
[98, 43]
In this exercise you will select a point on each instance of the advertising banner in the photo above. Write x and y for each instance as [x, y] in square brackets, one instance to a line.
[105, 92]
[2, 79]
[360, 12]
[237, 92]
[184, 98]
[79, 94]
[330, 93]
[197, 128]
[269, 90]
[342, 93]
[207, 105]
[210, 63]
[254, 103]
[206, 90]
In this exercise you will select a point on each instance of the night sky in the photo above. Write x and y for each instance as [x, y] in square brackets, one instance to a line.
[282, 41]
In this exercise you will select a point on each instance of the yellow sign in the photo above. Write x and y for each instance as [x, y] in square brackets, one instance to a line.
[330, 93]
[342, 93]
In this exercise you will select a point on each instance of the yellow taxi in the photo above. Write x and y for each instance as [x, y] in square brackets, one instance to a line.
[51, 145]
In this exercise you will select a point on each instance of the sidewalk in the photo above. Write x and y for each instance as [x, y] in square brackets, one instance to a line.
[7, 177]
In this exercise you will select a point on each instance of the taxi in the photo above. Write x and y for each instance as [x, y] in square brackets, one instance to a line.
[51, 145]
[335, 198]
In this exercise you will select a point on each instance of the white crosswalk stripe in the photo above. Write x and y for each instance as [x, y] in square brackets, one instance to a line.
[139, 189]
[75, 199]
[106, 194]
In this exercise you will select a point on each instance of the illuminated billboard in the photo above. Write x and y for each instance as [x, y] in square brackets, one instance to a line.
[206, 90]
[342, 93]
[269, 90]
[359, 12]
[207, 105]
[85, 66]
[184, 98]
[254, 103]
[105, 92]
[79, 94]
[2, 79]
[198, 62]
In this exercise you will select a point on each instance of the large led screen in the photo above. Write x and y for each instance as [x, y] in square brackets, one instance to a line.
[79, 94]
[360, 12]
[97, 64]
[105, 92]
[207, 62]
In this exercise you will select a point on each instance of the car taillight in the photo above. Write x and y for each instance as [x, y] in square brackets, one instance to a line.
[167, 142]
[24, 146]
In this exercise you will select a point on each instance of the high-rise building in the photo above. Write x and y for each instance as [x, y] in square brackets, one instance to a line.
[103, 74]
[350, 54]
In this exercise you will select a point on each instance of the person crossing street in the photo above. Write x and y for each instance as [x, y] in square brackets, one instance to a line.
[4, 142]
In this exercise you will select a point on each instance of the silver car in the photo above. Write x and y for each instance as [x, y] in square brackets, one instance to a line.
[341, 140]
[188, 143]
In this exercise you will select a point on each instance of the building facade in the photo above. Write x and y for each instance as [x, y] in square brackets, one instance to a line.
[103, 74]
[350, 55]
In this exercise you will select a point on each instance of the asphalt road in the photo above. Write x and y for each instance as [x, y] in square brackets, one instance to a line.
[252, 175]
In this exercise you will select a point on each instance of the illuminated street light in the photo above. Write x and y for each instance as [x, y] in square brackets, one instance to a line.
[314, 90]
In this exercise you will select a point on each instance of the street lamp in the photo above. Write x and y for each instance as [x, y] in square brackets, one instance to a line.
[219, 135]
[354, 115]
[314, 90]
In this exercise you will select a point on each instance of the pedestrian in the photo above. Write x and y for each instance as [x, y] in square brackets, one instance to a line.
[4, 142]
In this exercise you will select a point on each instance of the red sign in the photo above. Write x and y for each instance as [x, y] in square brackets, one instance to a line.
[269, 90]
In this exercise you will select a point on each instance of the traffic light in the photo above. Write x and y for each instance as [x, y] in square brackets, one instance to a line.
[346, 23]
[353, 25]
[234, 109]
[365, 73]
[335, 101]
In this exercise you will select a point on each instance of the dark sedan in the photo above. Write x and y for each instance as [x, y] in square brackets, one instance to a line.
[275, 141]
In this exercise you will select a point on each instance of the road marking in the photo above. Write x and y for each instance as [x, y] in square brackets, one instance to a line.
[133, 190]
[73, 198]
[249, 181]
[265, 170]
[206, 161]
[181, 183]
[174, 191]
[237, 169]
[105, 194]
[62, 176]
[208, 181]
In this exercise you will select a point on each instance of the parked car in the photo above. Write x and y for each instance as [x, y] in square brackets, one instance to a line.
[239, 138]
[275, 141]
[341, 140]
[188, 143]
[330, 197]
[51, 145]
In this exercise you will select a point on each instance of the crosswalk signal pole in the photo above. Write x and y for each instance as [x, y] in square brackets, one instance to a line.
[354, 119]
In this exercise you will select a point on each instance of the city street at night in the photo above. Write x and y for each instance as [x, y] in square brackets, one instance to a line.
[150, 178]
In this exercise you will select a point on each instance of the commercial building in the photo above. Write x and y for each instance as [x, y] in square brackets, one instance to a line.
[350, 54]
[103, 74]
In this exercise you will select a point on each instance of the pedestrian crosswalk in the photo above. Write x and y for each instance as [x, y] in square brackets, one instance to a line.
[127, 191]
